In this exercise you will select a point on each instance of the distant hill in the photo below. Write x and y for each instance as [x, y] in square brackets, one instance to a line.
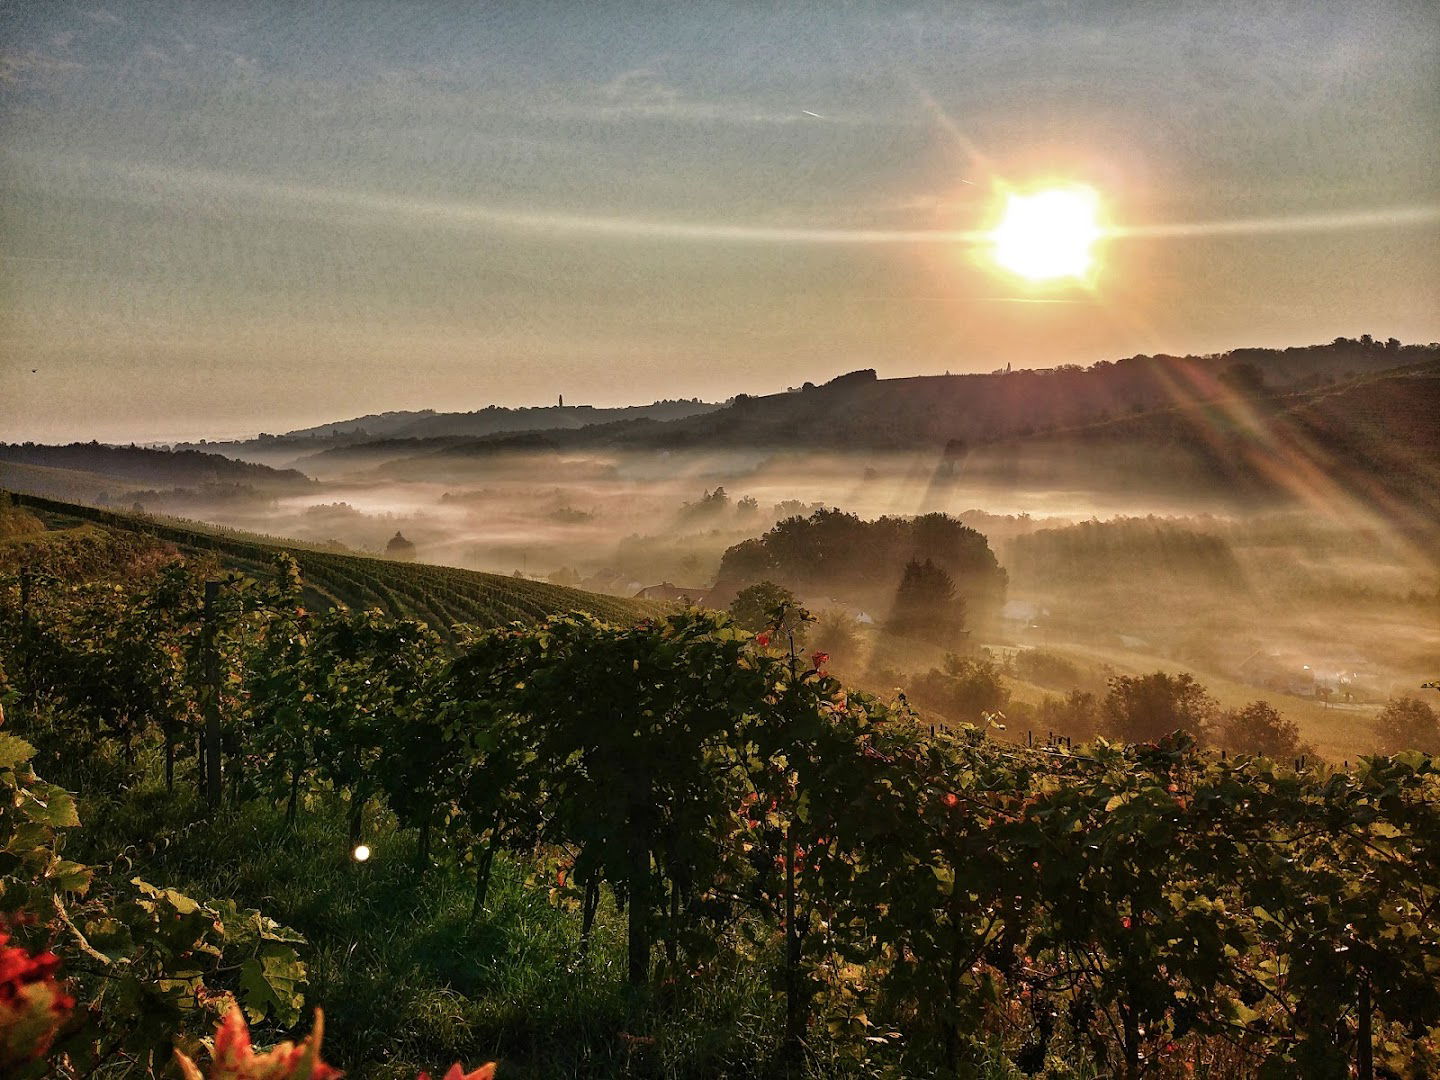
[429, 424]
[1371, 442]
[861, 411]
[428, 429]
[1188, 426]
[442, 596]
[93, 470]
[321, 457]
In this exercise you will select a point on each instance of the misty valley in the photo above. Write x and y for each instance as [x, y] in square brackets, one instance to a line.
[788, 541]
[1069, 554]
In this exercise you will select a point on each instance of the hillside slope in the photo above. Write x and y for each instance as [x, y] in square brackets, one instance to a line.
[861, 411]
[442, 596]
[1372, 442]
[69, 485]
[123, 468]
[387, 435]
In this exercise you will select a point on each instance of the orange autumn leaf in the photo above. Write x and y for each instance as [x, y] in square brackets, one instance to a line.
[33, 1004]
[235, 1059]
[485, 1072]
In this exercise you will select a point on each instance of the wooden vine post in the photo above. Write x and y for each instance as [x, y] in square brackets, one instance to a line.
[211, 674]
[1365, 1051]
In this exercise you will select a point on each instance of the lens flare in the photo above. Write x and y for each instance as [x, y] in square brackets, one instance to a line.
[1049, 234]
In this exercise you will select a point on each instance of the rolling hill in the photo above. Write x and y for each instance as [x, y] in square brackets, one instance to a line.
[1372, 441]
[861, 411]
[440, 595]
[98, 472]
[857, 410]
[391, 433]
[70, 485]
[1369, 439]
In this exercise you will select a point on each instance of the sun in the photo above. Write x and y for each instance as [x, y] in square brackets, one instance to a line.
[1049, 234]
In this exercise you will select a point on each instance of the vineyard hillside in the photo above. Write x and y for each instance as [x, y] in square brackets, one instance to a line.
[442, 596]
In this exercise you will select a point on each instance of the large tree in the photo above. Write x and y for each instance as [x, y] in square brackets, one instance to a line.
[842, 555]
[1146, 708]
[926, 605]
[1260, 730]
[1407, 723]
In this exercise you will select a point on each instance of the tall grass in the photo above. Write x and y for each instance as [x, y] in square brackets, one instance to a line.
[406, 981]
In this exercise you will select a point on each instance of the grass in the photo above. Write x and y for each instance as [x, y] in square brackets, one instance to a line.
[406, 981]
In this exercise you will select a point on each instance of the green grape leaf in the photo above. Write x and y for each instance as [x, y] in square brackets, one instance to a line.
[50, 805]
[14, 750]
[71, 876]
[273, 983]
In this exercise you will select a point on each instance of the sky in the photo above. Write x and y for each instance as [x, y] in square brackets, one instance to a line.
[224, 218]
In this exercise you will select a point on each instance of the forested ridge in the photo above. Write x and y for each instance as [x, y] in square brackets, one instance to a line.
[142, 465]
[859, 409]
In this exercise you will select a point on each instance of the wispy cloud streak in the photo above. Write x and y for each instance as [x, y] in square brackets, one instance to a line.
[1340, 221]
[471, 215]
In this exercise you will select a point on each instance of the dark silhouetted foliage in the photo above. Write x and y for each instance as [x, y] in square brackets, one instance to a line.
[1146, 708]
[926, 605]
[754, 609]
[1258, 728]
[1407, 723]
[842, 554]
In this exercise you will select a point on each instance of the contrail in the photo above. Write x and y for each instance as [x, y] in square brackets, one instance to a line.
[456, 214]
[469, 214]
[1393, 217]
[1026, 300]
[968, 300]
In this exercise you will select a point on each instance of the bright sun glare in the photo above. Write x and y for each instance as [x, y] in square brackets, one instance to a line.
[1050, 234]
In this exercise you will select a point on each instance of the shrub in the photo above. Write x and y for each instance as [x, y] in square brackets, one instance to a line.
[1045, 668]
[838, 633]
[965, 690]
[755, 608]
[1146, 708]
[1407, 723]
[1076, 715]
[1259, 729]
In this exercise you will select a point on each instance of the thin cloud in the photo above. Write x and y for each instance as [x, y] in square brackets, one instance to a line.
[643, 93]
[34, 68]
[1338, 221]
[452, 214]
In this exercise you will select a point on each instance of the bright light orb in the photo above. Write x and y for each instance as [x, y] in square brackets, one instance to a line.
[361, 853]
[1048, 235]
